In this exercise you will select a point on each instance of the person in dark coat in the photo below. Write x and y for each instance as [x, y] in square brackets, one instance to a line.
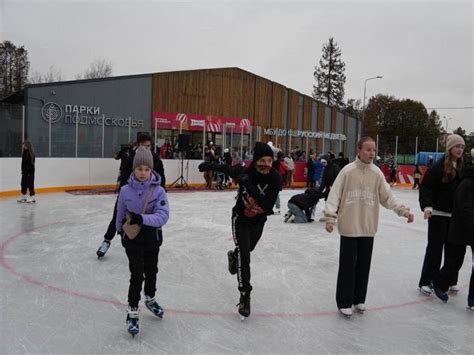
[144, 140]
[329, 176]
[301, 206]
[259, 185]
[436, 201]
[341, 161]
[27, 173]
[461, 234]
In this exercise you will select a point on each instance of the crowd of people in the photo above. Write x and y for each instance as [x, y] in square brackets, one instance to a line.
[353, 193]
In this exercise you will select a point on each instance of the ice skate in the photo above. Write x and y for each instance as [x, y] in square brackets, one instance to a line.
[133, 326]
[244, 305]
[470, 304]
[426, 290]
[22, 199]
[31, 200]
[103, 249]
[154, 307]
[361, 308]
[276, 211]
[454, 289]
[232, 260]
[346, 312]
[289, 217]
[443, 296]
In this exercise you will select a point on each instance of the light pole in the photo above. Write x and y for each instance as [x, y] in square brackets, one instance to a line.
[363, 105]
[447, 120]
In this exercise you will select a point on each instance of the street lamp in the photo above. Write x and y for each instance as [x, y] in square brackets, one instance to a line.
[447, 120]
[363, 106]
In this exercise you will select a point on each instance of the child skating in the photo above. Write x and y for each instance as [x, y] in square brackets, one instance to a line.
[144, 202]
[259, 185]
[354, 201]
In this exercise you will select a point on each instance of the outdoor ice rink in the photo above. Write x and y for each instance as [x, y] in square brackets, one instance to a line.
[58, 298]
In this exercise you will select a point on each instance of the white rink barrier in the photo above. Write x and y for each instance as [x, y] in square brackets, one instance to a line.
[73, 172]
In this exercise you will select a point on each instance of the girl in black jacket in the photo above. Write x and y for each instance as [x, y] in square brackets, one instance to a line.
[436, 201]
[461, 233]
[27, 173]
[259, 185]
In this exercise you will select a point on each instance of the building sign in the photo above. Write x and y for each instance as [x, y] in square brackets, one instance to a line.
[303, 134]
[191, 122]
[84, 115]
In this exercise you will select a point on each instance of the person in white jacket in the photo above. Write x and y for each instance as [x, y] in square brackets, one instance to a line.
[354, 201]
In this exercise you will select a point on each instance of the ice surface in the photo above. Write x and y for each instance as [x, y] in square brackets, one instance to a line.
[57, 297]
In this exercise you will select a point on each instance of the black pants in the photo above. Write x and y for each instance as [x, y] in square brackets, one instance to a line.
[451, 267]
[355, 255]
[28, 183]
[111, 231]
[246, 235]
[417, 183]
[142, 253]
[438, 227]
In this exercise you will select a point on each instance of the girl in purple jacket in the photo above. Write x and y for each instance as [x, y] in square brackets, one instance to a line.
[142, 251]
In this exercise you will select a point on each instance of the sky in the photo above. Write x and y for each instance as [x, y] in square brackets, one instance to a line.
[423, 49]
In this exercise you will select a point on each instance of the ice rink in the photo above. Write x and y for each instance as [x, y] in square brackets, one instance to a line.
[58, 298]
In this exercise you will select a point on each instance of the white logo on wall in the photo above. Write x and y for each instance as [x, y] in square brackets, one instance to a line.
[51, 112]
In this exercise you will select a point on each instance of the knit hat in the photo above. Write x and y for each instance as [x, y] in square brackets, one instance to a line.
[453, 140]
[143, 156]
[262, 150]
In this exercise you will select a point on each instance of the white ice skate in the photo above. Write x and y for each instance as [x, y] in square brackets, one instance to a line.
[361, 308]
[426, 290]
[22, 199]
[346, 312]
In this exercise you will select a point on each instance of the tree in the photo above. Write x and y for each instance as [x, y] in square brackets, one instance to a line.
[389, 117]
[353, 108]
[14, 67]
[51, 75]
[329, 76]
[460, 132]
[99, 68]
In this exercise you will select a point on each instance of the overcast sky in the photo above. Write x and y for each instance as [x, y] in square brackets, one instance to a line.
[424, 50]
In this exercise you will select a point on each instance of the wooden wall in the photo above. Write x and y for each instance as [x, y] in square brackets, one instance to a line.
[233, 92]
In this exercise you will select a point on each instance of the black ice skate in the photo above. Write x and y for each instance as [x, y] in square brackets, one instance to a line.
[133, 326]
[154, 307]
[443, 296]
[232, 262]
[244, 304]
[103, 248]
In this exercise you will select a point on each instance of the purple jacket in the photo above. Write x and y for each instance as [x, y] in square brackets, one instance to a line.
[132, 198]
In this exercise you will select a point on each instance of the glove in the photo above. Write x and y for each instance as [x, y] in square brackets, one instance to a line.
[136, 218]
[243, 179]
[205, 166]
[235, 171]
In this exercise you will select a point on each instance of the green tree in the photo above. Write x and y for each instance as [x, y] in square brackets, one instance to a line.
[14, 67]
[329, 76]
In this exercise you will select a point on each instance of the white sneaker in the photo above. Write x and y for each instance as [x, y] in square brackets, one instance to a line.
[426, 290]
[346, 312]
[360, 307]
[454, 289]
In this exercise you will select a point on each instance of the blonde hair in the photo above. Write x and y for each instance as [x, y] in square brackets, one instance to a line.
[449, 171]
[363, 140]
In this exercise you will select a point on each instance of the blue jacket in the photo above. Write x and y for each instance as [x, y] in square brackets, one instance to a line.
[318, 170]
[132, 199]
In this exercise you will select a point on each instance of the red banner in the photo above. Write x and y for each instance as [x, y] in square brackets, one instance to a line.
[191, 122]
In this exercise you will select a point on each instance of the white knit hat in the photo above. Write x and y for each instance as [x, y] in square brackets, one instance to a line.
[453, 140]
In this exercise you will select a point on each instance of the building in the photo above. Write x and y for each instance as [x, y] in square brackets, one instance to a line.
[229, 106]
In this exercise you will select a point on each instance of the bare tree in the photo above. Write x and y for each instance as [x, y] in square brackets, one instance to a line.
[50, 76]
[99, 68]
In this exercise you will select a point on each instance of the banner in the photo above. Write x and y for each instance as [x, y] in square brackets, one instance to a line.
[192, 122]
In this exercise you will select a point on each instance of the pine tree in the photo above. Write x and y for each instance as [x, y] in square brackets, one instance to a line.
[329, 76]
